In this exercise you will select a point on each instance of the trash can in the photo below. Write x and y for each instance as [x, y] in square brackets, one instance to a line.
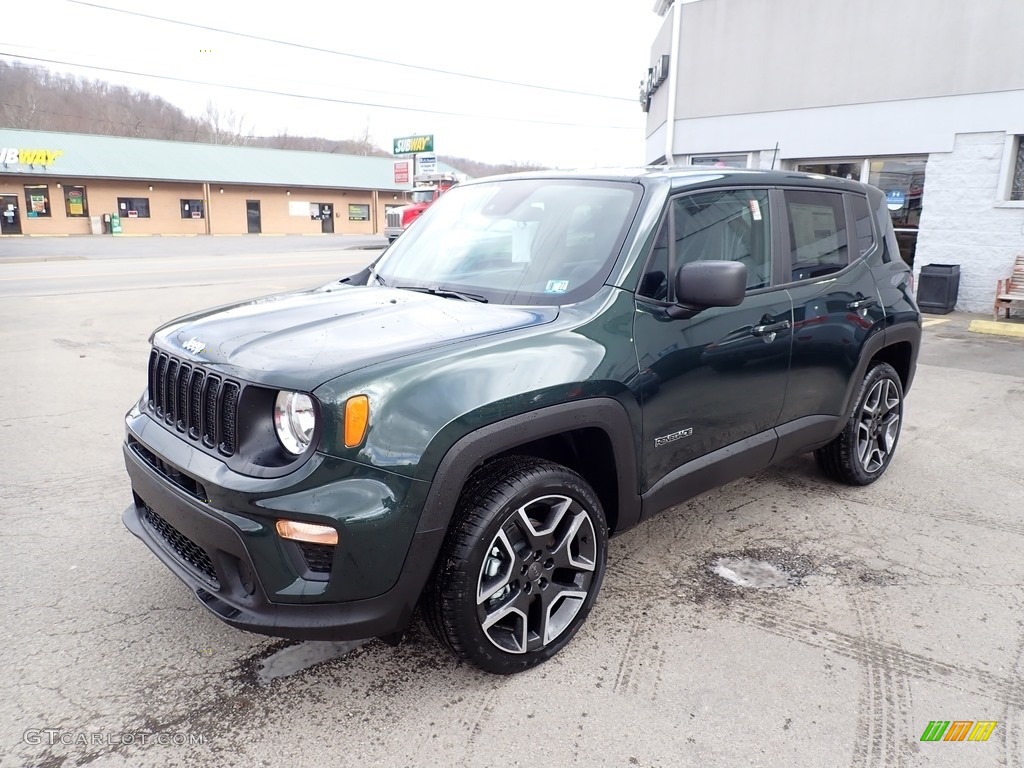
[115, 224]
[937, 288]
[96, 225]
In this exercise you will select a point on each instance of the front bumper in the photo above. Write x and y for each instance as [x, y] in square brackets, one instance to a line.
[392, 232]
[240, 570]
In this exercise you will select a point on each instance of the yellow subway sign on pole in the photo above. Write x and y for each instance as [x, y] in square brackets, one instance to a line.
[410, 145]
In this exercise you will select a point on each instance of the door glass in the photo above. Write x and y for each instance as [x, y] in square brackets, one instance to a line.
[902, 181]
[817, 233]
[728, 225]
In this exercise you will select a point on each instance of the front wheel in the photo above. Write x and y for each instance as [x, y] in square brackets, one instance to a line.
[862, 452]
[521, 566]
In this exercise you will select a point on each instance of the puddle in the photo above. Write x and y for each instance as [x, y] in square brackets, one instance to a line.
[749, 572]
[300, 656]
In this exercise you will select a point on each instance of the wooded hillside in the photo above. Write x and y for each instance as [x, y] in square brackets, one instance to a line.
[33, 98]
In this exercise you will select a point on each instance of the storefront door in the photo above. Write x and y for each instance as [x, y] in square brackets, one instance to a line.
[326, 219]
[902, 181]
[252, 215]
[10, 218]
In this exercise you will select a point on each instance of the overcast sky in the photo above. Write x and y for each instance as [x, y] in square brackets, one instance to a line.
[593, 46]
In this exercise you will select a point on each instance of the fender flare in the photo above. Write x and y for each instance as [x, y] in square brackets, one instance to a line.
[604, 413]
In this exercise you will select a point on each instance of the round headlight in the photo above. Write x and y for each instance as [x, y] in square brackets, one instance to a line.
[294, 420]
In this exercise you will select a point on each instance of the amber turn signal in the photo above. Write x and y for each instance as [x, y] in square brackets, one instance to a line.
[357, 418]
[308, 532]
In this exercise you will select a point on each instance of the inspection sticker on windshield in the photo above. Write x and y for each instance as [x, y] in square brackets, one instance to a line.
[557, 286]
[755, 209]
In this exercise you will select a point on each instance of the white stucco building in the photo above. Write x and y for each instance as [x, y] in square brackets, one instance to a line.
[922, 98]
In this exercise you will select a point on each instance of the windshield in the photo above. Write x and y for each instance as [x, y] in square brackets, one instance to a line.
[422, 195]
[521, 241]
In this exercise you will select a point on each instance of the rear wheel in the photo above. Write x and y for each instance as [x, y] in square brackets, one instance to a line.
[521, 566]
[862, 452]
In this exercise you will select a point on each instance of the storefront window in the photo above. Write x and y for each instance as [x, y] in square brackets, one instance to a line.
[719, 161]
[191, 209]
[842, 169]
[357, 212]
[37, 200]
[1017, 190]
[133, 207]
[75, 202]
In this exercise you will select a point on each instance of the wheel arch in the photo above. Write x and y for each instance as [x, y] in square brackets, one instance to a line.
[593, 437]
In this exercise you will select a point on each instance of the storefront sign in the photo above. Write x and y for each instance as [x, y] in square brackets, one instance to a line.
[895, 199]
[402, 172]
[409, 145]
[76, 202]
[29, 156]
[427, 163]
[656, 75]
[299, 207]
[357, 212]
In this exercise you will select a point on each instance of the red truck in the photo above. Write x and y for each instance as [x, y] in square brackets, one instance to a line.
[428, 188]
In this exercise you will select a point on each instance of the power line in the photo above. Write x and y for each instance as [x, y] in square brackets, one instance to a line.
[504, 118]
[349, 55]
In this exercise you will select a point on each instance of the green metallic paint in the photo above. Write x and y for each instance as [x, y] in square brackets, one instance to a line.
[422, 404]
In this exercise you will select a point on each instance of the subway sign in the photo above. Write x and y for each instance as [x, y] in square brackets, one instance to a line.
[29, 156]
[410, 145]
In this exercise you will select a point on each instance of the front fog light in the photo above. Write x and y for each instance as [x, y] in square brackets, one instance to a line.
[307, 532]
[294, 420]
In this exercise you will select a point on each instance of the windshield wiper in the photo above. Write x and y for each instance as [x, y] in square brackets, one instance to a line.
[446, 293]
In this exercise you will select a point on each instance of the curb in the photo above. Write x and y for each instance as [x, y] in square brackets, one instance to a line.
[993, 328]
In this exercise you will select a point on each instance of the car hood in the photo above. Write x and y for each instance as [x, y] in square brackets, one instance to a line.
[300, 340]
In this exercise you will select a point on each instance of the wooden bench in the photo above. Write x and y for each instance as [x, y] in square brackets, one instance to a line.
[1011, 290]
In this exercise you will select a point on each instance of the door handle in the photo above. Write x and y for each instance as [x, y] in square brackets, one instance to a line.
[862, 303]
[764, 330]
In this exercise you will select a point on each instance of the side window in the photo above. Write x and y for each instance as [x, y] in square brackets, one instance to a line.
[817, 233]
[726, 225]
[862, 223]
[730, 225]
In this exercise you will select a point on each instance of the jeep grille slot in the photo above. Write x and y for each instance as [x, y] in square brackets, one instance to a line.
[192, 401]
[187, 550]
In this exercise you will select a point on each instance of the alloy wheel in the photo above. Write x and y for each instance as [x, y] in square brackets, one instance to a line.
[879, 425]
[537, 573]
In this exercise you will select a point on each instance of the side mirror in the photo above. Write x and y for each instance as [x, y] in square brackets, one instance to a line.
[703, 284]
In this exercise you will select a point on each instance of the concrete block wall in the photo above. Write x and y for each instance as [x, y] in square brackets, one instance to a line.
[962, 222]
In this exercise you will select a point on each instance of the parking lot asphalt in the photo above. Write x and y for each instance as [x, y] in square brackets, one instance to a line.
[906, 603]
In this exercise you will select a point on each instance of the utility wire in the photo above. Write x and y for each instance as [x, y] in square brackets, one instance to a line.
[348, 55]
[504, 118]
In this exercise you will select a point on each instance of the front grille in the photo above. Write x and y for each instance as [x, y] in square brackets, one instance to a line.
[186, 549]
[318, 557]
[195, 402]
[394, 219]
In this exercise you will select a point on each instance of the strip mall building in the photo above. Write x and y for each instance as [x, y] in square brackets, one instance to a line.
[67, 183]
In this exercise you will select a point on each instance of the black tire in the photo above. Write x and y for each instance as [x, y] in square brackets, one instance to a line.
[863, 450]
[482, 577]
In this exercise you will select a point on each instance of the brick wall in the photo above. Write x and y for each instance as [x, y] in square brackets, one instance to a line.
[961, 221]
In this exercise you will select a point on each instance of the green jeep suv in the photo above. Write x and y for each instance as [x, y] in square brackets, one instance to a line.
[540, 362]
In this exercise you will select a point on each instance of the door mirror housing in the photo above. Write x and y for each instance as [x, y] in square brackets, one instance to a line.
[703, 284]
